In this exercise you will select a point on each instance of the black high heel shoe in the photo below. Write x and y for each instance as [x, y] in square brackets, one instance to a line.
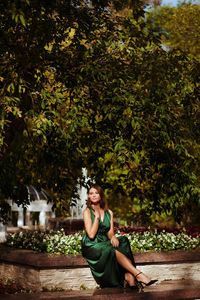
[140, 283]
[132, 287]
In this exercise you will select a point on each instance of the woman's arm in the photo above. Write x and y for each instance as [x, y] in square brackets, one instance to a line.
[111, 235]
[90, 228]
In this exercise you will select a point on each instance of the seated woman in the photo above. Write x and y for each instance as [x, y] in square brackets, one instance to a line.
[110, 258]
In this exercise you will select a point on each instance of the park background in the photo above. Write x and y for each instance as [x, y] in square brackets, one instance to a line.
[110, 87]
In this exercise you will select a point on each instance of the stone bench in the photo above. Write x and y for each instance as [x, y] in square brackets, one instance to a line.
[40, 270]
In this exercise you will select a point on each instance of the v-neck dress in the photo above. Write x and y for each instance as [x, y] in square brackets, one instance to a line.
[101, 256]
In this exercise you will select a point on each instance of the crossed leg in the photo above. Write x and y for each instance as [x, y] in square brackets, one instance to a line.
[126, 263]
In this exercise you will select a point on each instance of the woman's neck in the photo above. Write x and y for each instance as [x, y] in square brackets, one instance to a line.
[96, 205]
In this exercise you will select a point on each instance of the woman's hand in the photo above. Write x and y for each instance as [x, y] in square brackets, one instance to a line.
[114, 241]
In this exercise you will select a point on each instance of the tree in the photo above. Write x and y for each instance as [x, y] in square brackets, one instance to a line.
[179, 26]
[44, 46]
[103, 95]
[154, 136]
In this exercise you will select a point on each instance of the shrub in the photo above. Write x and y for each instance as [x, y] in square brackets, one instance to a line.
[59, 243]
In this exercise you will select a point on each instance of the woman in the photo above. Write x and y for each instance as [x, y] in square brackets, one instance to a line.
[110, 258]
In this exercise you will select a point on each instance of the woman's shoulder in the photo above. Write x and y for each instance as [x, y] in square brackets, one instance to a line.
[86, 209]
[86, 213]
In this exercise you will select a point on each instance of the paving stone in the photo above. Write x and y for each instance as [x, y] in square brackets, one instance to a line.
[174, 289]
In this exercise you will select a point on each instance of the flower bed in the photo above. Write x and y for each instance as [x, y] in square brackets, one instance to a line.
[46, 241]
[190, 230]
[162, 241]
[143, 241]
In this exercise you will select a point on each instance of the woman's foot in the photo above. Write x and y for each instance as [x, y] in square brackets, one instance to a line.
[129, 278]
[141, 277]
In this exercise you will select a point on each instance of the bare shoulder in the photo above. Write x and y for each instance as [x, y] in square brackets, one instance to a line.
[86, 211]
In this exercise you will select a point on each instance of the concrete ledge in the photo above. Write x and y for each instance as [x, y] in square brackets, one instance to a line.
[38, 270]
[44, 260]
[167, 257]
[40, 260]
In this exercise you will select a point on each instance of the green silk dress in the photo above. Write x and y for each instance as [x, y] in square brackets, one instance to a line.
[101, 257]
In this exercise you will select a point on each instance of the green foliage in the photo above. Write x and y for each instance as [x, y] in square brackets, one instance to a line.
[90, 85]
[178, 25]
[154, 135]
[164, 241]
[59, 243]
[49, 242]
[40, 132]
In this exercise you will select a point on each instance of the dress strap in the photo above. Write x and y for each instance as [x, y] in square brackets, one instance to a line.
[91, 212]
[90, 208]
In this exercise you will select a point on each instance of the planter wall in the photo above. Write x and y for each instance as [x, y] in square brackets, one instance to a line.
[37, 270]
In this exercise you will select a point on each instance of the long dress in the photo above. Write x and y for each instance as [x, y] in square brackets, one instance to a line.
[101, 256]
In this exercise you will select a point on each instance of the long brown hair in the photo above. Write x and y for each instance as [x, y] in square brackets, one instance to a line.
[103, 201]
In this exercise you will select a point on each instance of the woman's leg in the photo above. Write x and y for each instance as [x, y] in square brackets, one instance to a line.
[127, 264]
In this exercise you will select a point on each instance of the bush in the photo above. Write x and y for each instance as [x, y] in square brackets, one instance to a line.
[143, 241]
[161, 241]
[46, 241]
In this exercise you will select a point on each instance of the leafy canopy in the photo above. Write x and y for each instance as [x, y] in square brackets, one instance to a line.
[88, 84]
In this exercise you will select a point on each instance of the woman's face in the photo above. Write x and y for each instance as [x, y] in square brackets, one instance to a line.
[94, 196]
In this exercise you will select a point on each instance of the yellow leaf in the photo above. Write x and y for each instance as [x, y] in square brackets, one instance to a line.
[72, 33]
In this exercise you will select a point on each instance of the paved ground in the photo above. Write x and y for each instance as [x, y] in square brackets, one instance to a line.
[175, 289]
